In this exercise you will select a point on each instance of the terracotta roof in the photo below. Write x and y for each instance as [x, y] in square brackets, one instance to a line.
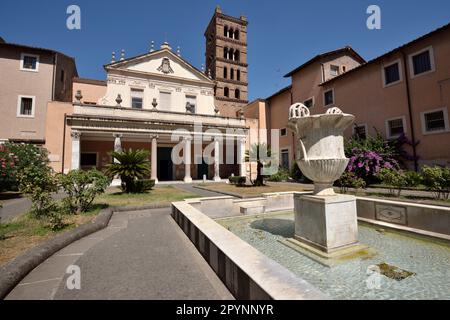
[279, 92]
[90, 81]
[21, 46]
[346, 49]
[445, 27]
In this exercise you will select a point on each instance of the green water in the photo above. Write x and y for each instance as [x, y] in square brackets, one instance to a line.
[428, 260]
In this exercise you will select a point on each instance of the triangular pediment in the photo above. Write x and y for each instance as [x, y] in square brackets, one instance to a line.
[163, 63]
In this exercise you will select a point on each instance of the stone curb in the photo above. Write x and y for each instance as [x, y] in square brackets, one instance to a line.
[14, 271]
[237, 195]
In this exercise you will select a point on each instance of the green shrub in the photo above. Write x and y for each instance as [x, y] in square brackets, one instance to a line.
[39, 183]
[281, 175]
[350, 180]
[295, 173]
[437, 180]
[413, 179]
[56, 219]
[143, 185]
[237, 180]
[81, 188]
[397, 180]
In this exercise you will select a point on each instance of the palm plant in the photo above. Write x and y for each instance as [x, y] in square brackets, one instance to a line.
[263, 156]
[130, 166]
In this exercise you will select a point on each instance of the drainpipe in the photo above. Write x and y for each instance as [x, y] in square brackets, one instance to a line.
[294, 151]
[55, 62]
[64, 144]
[411, 124]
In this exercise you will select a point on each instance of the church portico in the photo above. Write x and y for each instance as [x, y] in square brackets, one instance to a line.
[212, 153]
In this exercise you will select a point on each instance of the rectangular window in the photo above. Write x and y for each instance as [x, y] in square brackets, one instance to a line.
[391, 74]
[421, 62]
[192, 101]
[285, 159]
[25, 107]
[434, 121]
[88, 160]
[334, 70]
[309, 103]
[360, 131]
[283, 132]
[29, 62]
[137, 98]
[63, 76]
[328, 97]
[165, 100]
[395, 127]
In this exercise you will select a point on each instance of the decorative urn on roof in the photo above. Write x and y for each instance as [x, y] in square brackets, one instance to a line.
[321, 155]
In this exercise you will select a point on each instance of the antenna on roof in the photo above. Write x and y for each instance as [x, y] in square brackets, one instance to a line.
[178, 51]
[152, 46]
[122, 55]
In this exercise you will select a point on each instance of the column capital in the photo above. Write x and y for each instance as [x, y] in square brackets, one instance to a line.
[117, 135]
[154, 136]
[75, 134]
[187, 138]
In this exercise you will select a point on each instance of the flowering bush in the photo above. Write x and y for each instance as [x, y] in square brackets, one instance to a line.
[367, 164]
[14, 158]
[369, 156]
[8, 163]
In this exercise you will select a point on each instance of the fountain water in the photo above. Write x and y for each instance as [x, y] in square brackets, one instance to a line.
[325, 222]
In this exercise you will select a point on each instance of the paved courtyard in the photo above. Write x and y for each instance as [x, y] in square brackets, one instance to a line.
[140, 255]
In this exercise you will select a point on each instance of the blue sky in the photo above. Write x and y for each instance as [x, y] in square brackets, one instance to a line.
[282, 34]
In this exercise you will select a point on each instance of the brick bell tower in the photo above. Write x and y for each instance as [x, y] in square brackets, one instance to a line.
[226, 61]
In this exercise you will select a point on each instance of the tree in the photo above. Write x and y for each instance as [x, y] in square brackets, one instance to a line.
[263, 156]
[131, 165]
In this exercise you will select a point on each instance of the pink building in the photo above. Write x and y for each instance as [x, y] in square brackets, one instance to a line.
[405, 91]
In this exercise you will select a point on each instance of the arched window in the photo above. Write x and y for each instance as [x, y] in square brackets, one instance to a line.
[236, 34]
[236, 55]
[238, 75]
[225, 31]
[226, 92]
[231, 73]
[225, 53]
[225, 72]
[237, 94]
[230, 54]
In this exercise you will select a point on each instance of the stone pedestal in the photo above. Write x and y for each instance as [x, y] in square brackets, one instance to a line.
[327, 223]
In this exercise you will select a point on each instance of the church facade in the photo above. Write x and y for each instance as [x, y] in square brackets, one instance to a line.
[155, 101]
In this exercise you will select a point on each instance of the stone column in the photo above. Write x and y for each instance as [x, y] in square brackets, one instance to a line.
[187, 160]
[117, 143]
[216, 160]
[154, 156]
[75, 150]
[241, 156]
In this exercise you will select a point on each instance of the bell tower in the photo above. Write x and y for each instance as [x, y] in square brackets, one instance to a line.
[226, 61]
